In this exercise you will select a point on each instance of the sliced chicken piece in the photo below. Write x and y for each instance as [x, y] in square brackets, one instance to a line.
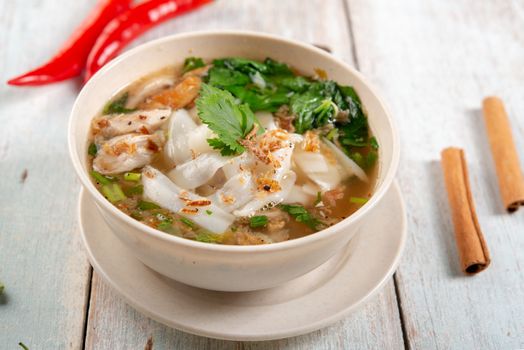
[178, 96]
[127, 152]
[150, 87]
[161, 190]
[142, 122]
[199, 72]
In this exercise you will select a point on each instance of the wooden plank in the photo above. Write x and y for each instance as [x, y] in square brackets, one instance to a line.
[113, 324]
[434, 61]
[42, 261]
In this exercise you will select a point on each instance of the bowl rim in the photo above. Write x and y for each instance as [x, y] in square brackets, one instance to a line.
[85, 180]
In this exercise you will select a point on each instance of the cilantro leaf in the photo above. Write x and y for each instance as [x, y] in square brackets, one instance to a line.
[300, 214]
[230, 121]
[191, 63]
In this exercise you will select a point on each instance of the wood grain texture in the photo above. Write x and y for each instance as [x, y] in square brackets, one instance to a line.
[434, 61]
[114, 325]
[42, 262]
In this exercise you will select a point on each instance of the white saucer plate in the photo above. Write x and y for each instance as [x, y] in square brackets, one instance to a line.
[313, 301]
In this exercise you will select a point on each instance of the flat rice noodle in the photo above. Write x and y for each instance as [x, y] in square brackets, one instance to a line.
[318, 169]
[236, 192]
[298, 195]
[266, 120]
[349, 166]
[237, 164]
[160, 189]
[311, 162]
[197, 139]
[263, 199]
[177, 150]
[198, 171]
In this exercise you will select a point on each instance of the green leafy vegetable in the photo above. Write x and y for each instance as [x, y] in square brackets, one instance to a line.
[312, 111]
[208, 237]
[365, 162]
[145, 205]
[191, 63]
[92, 150]
[259, 99]
[354, 132]
[113, 192]
[300, 214]
[188, 222]
[242, 65]
[118, 105]
[132, 177]
[371, 159]
[230, 121]
[358, 200]
[258, 221]
[102, 179]
[223, 77]
[373, 143]
[268, 85]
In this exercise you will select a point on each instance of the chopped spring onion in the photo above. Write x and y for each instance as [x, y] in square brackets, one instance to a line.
[300, 214]
[102, 179]
[318, 199]
[209, 212]
[138, 189]
[358, 200]
[113, 192]
[332, 135]
[188, 222]
[145, 205]
[136, 215]
[165, 225]
[258, 221]
[92, 150]
[373, 142]
[208, 237]
[132, 176]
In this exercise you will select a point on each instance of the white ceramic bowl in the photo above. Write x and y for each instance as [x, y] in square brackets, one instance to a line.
[220, 267]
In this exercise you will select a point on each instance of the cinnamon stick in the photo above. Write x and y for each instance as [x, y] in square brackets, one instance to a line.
[473, 252]
[511, 181]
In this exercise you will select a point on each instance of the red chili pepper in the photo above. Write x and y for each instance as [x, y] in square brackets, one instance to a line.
[72, 57]
[131, 24]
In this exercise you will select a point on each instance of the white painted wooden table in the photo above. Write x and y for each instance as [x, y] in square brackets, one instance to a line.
[433, 61]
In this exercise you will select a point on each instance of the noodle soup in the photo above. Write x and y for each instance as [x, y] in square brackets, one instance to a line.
[234, 151]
